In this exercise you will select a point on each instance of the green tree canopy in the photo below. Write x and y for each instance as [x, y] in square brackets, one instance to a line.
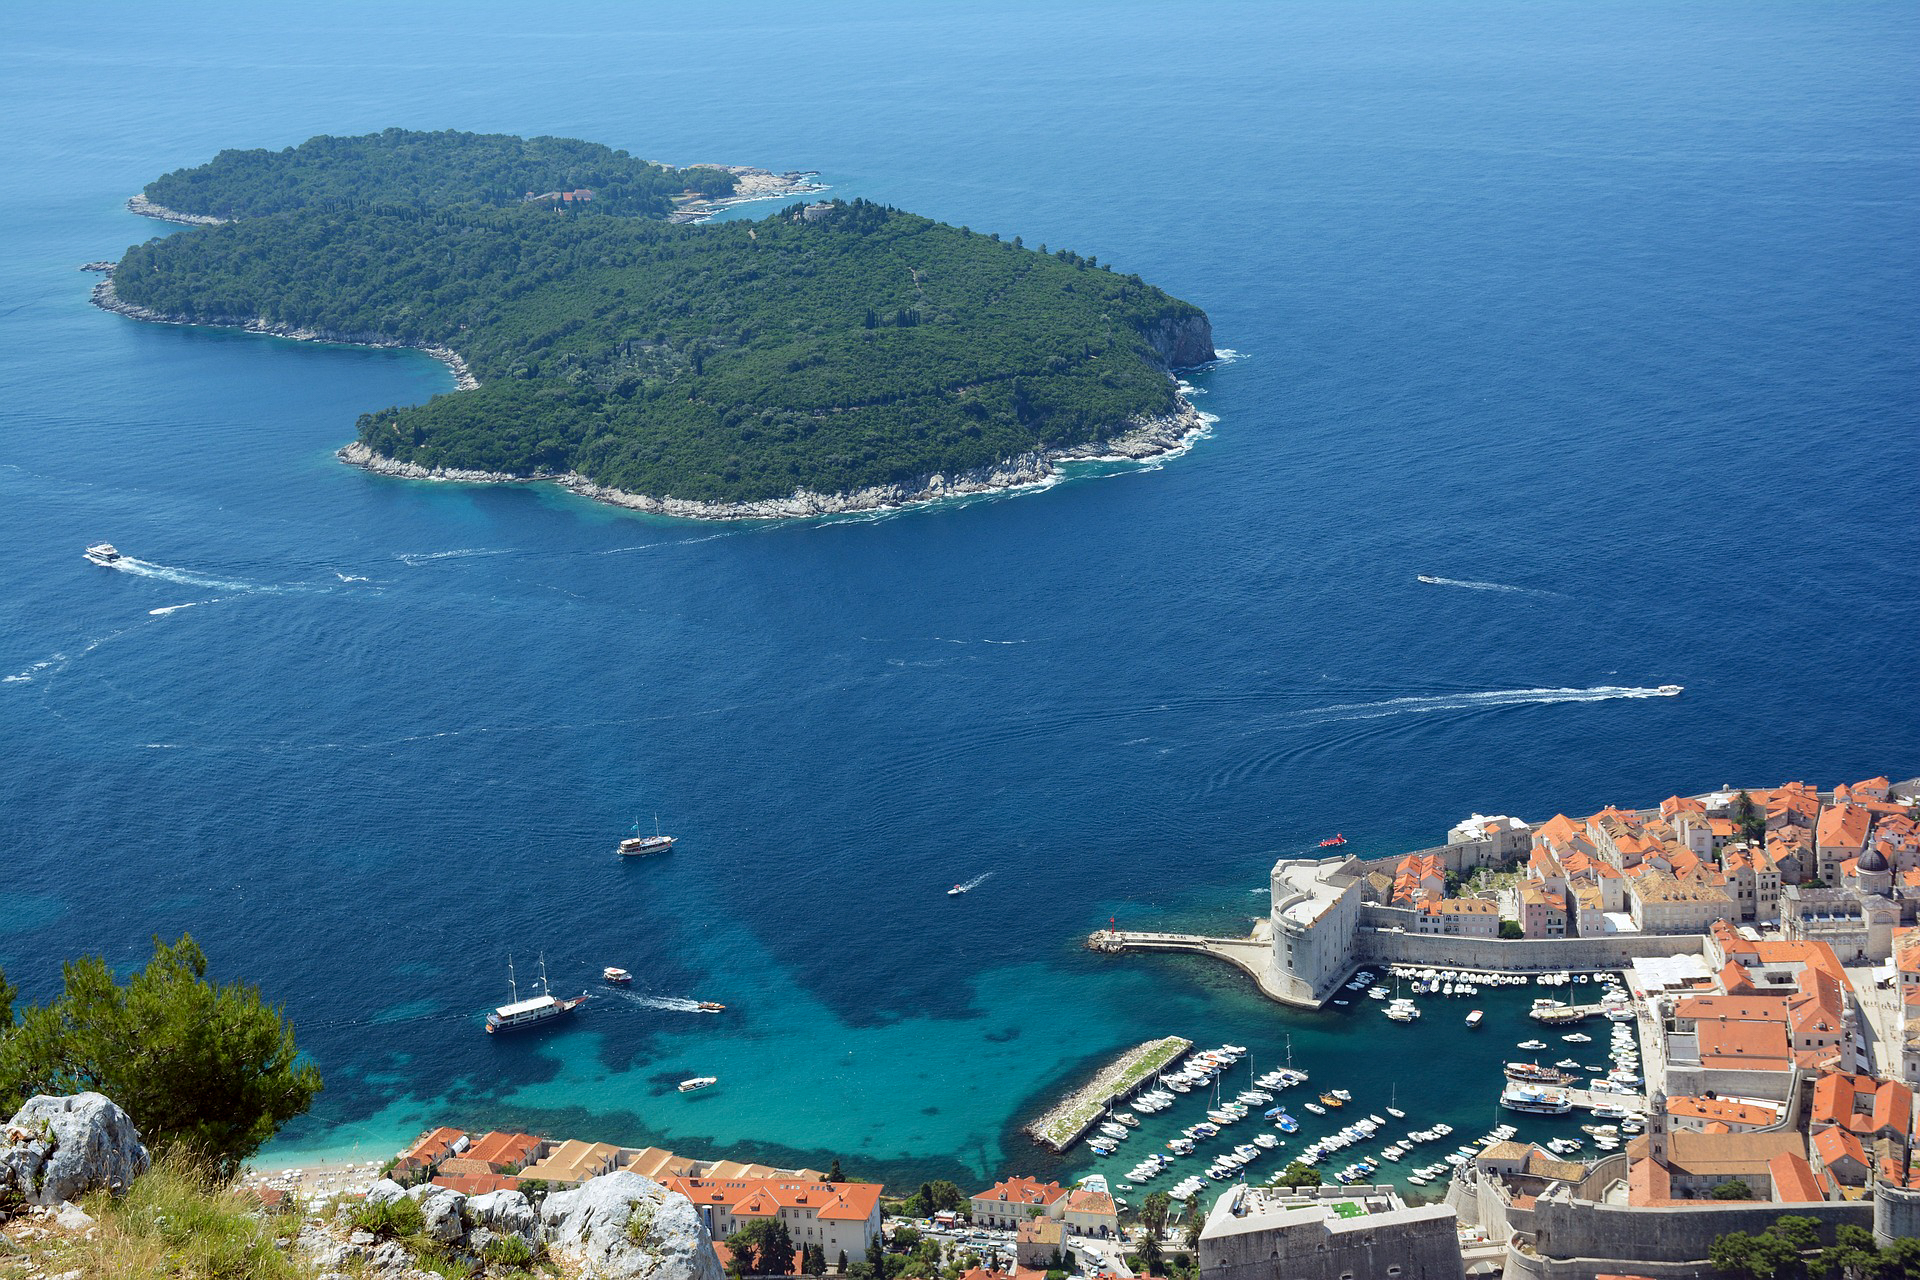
[212, 1070]
[1298, 1174]
[830, 348]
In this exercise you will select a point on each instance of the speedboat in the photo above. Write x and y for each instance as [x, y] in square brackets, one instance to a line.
[698, 1083]
[710, 1006]
[102, 553]
[1668, 690]
[1475, 1018]
[1533, 1044]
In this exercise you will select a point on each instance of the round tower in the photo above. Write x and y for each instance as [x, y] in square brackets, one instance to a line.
[1896, 1213]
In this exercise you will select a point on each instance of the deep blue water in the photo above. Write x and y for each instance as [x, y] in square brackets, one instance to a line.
[1609, 306]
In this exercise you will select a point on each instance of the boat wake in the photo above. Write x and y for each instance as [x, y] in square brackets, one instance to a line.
[164, 610]
[1481, 701]
[1468, 585]
[672, 1004]
[976, 882]
[184, 577]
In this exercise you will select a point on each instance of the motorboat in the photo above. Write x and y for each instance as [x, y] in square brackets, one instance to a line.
[698, 1083]
[1668, 690]
[102, 553]
[710, 1006]
[1532, 1044]
[1475, 1018]
[619, 977]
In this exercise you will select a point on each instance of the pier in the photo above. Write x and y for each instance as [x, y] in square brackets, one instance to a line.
[1253, 955]
[1634, 1104]
[1068, 1121]
[1567, 1016]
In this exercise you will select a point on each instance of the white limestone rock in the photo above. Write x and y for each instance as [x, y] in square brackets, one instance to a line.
[505, 1213]
[591, 1225]
[385, 1191]
[57, 1149]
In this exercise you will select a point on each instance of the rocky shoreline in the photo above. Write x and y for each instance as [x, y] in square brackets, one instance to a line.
[1148, 438]
[148, 209]
[754, 184]
[106, 299]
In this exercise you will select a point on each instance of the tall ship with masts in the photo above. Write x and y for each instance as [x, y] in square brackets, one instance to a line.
[517, 1014]
[639, 845]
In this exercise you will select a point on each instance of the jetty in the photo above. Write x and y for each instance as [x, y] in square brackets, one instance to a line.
[1068, 1120]
[1251, 955]
[1566, 1015]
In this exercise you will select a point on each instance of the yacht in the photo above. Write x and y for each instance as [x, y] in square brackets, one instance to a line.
[1533, 1044]
[102, 553]
[639, 846]
[517, 1014]
[697, 1083]
[619, 977]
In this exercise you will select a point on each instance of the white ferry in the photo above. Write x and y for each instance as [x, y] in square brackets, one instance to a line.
[102, 553]
[518, 1014]
[1536, 1099]
[697, 1083]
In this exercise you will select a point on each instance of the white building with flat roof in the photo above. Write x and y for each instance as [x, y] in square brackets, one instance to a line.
[1316, 908]
[1328, 1233]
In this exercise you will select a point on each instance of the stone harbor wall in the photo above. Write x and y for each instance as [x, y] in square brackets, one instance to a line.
[1518, 955]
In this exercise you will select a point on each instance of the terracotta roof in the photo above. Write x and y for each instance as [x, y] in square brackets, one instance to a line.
[1089, 1202]
[1843, 826]
[1833, 1145]
[1723, 1110]
[477, 1184]
[1793, 1180]
[1022, 1190]
[1710, 1154]
[1733, 1008]
[1754, 1046]
[765, 1197]
[433, 1144]
[504, 1148]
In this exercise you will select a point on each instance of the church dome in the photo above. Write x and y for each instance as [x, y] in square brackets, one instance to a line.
[1873, 860]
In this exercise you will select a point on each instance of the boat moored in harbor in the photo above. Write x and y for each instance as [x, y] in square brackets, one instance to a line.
[1475, 1018]
[1536, 1099]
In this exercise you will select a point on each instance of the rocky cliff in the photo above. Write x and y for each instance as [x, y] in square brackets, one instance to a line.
[1181, 342]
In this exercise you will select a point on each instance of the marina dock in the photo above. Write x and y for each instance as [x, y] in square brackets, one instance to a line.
[1567, 1015]
[1634, 1104]
[1068, 1121]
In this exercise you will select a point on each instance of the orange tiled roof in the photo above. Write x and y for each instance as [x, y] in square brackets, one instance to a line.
[431, 1145]
[1753, 1046]
[1843, 826]
[504, 1148]
[1022, 1190]
[1721, 1110]
[1833, 1145]
[765, 1197]
[1793, 1180]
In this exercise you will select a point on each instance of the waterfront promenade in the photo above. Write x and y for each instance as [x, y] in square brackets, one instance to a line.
[1252, 955]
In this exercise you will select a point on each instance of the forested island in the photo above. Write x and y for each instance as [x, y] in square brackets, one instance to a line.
[833, 356]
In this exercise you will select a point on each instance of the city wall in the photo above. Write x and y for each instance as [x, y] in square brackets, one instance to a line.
[1518, 955]
[1578, 1231]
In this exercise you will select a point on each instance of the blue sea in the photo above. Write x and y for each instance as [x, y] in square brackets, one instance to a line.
[1601, 314]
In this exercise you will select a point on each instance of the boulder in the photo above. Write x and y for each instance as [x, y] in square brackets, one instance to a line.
[57, 1149]
[385, 1191]
[444, 1211]
[505, 1213]
[621, 1226]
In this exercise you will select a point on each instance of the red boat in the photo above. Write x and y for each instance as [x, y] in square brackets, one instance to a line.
[1333, 840]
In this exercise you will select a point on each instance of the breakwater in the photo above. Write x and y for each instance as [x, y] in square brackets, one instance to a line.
[1068, 1120]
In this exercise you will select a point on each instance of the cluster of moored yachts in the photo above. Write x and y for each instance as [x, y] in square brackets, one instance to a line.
[1206, 1067]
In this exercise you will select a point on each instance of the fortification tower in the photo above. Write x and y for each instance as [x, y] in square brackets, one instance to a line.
[1896, 1213]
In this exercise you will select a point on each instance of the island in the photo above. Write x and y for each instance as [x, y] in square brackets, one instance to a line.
[835, 356]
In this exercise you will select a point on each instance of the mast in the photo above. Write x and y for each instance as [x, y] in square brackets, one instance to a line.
[543, 976]
[513, 988]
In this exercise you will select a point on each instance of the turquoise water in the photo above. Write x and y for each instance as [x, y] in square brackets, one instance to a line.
[1603, 313]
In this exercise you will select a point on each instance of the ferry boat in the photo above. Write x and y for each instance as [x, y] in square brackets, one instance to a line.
[1536, 1100]
[639, 846]
[1534, 1073]
[518, 1014]
[102, 553]
[1475, 1018]
[619, 977]
[1333, 840]
[697, 1083]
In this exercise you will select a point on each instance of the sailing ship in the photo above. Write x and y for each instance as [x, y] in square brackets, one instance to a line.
[639, 846]
[517, 1014]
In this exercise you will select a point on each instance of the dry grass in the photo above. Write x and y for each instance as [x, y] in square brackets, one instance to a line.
[178, 1223]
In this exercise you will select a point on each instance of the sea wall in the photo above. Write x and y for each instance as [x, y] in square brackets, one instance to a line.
[1518, 955]
[1578, 1230]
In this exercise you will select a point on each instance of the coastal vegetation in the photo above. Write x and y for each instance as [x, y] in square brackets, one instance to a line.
[402, 169]
[1786, 1251]
[832, 347]
[208, 1072]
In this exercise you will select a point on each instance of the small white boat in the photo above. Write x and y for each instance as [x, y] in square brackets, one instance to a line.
[618, 977]
[1668, 690]
[698, 1082]
[1475, 1018]
[102, 553]
[1533, 1044]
